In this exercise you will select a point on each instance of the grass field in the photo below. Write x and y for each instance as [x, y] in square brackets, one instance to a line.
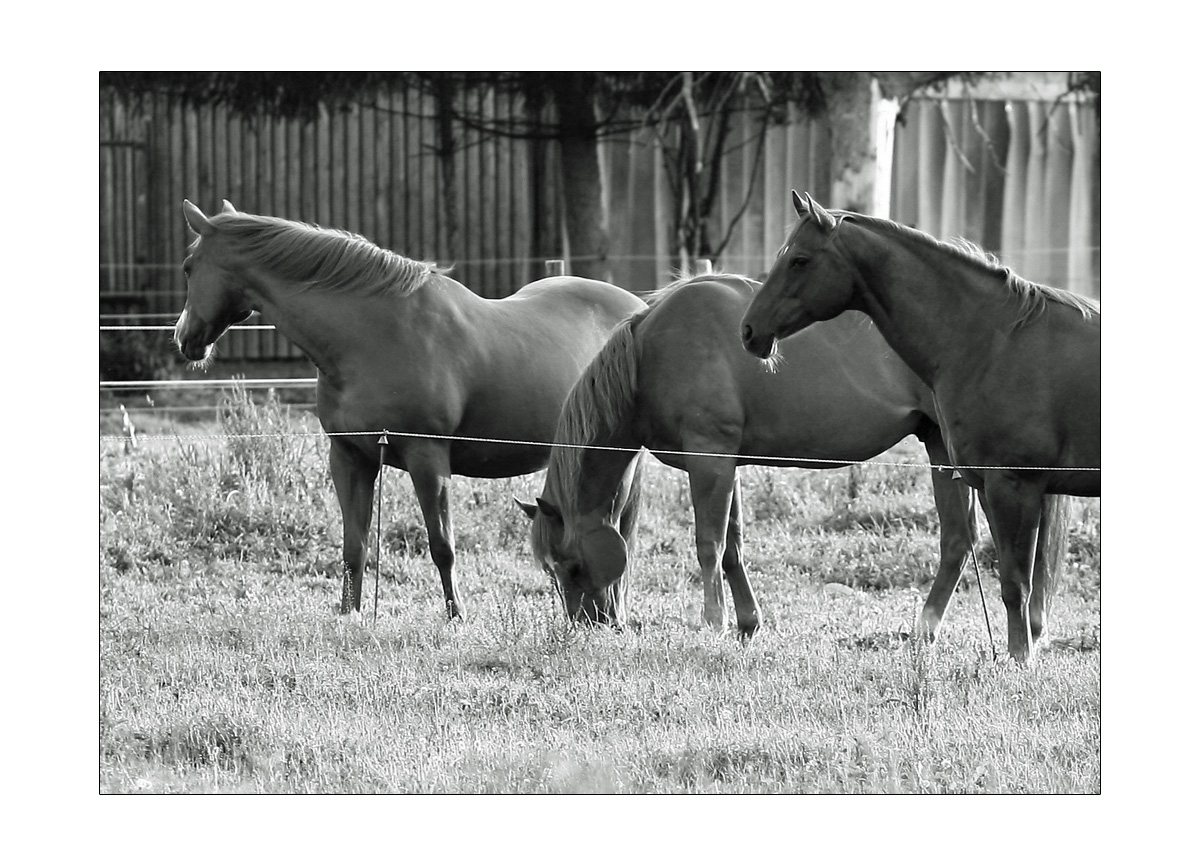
[225, 667]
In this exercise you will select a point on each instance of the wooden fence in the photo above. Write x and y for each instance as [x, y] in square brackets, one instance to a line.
[1017, 178]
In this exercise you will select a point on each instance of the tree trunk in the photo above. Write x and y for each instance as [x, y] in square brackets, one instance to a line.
[446, 145]
[583, 179]
[862, 126]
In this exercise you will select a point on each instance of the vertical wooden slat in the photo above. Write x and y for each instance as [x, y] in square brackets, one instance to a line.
[775, 192]
[905, 172]
[520, 209]
[382, 180]
[1082, 273]
[507, 172]
[1012, 239]
[753, 219]
[974, 175]
[324, 153]
[1059, 150]
[398, 188]
[796, 174]
[932, 147]
[994, 157]
[425, 215]
[177, 172]
[1035, 234]
[953, 173]
[365, 183]
[107, 203]
[491, 200]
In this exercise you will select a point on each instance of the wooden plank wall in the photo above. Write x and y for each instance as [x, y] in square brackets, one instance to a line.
[373, 169]
[1018, 178]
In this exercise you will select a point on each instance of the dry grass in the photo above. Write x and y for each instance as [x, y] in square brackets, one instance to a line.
[224, 666]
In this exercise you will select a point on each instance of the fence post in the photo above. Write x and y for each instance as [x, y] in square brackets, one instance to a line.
[556, 267]
[703, 266]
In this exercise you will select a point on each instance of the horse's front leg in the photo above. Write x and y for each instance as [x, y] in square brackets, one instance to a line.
[1015, 512]
[712, 481]
[354, 480]
[955, 504]
[428, 463]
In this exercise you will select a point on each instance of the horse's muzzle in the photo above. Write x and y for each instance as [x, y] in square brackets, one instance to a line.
[759, 345]
[595, 609]
[191, 337]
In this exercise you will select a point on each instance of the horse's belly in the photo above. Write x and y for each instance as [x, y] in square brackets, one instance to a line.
[489, 460]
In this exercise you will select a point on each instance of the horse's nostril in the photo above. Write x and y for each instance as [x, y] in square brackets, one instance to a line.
[747, 333]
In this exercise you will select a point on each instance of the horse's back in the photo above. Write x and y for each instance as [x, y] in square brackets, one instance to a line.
[566, 295]
[839, 390]
[530, 349]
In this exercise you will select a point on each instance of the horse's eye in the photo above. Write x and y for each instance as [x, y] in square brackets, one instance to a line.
[799, 261]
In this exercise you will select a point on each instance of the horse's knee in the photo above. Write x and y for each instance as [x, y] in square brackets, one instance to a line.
[709, 554]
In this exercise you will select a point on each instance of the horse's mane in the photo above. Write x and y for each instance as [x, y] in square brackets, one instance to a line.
[1031, 297]
[602, 398]
[599, 401]
[321, 258]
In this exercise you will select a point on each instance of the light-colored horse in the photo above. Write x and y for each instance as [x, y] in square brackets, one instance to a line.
[1014, 367]
[400, 346]
[676, 379]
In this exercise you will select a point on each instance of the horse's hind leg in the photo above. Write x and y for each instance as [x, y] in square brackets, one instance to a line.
[429, 465]
[734, 566]
[354, 480]
[1015, 512]
[956, 520]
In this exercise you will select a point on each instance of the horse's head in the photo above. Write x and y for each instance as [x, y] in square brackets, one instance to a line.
[216, 296]
[586, 564]
[805, 284]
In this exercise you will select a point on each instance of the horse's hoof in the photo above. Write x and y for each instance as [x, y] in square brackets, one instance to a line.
[748, 629]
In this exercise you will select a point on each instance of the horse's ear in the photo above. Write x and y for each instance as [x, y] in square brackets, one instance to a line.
[196, 219]
[798, 204]
[823, 218]
[605, 554]
[549, 510]
[226, 207]
[529, 508]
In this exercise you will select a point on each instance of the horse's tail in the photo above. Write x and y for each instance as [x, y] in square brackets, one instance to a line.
[1051, 547]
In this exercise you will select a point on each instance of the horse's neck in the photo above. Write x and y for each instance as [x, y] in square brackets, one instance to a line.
[604, 479]
[334, 327]
[924, 302]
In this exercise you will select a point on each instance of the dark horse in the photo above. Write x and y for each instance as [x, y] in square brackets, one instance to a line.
[675, 379]
[1014, 367]
[400, 346]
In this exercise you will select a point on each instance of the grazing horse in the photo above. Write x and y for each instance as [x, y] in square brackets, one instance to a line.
[399, 346]
[675, 380]
[1014, 367]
